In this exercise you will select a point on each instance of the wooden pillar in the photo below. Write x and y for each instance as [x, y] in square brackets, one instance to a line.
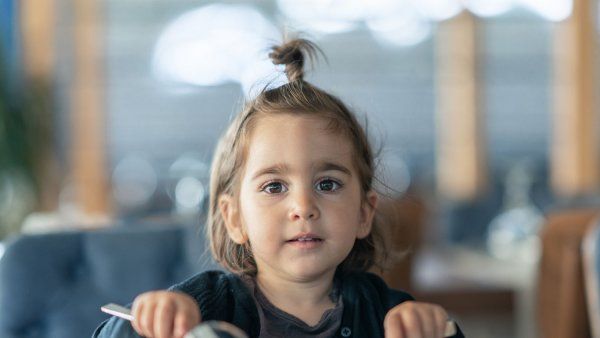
[461, 162]
[37, 28]
[575, 147]
[88, 156]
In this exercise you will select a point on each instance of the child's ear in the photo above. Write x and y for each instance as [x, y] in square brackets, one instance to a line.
[231, 217]
[367, 213]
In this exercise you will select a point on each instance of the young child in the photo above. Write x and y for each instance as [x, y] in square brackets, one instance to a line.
[292, 217]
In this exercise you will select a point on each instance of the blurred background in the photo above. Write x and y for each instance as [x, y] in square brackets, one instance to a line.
[485, 113]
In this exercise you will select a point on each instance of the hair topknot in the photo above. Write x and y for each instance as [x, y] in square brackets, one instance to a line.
[292, 54]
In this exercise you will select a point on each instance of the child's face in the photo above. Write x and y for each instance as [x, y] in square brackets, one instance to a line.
[300, 204]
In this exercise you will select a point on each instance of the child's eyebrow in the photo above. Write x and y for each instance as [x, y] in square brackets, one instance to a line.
[274, 169]
[326, 166]
[283, 168]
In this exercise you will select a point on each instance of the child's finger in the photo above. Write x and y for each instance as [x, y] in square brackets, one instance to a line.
[182, 324]
[163, 319]
[428, 324]
[139, 308]
[146, 321]
[436, 330]
[136, 309]
[393, 326]
[441, 317]
[412, 323]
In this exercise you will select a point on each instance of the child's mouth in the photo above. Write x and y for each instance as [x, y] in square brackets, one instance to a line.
[305, 241]
[305, 237]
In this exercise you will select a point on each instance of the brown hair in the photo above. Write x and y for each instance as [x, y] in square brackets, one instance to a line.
[295, 97]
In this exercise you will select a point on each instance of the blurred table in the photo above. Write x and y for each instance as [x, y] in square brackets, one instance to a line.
[470, 281]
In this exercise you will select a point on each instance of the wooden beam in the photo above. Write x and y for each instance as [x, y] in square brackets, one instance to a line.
[461, 158]
[89, 167]
[37, 32]
[575, 147]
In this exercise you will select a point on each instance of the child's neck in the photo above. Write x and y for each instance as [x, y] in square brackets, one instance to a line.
[307, 300]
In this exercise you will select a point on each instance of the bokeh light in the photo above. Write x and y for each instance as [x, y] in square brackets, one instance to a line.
[215, 44]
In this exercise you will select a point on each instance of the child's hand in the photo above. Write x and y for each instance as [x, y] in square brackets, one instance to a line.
[164, 314]
[415, 320]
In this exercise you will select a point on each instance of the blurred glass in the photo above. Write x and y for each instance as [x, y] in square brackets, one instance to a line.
[17, 199]
[134, 182]
[188, 184]
[513, 234]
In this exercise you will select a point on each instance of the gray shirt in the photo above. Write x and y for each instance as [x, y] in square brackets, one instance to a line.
[275, 323]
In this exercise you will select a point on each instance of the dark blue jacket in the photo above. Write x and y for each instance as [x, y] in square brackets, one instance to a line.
[224, 296]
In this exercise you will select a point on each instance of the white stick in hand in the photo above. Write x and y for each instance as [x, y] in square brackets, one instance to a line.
[450, 329]
[117, 310]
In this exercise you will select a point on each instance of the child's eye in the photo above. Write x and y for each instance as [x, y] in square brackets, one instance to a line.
[328, 185]
[274, 188]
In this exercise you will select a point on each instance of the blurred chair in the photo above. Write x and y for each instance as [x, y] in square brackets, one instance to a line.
[404, 220]
[591, 272]
[562, 308]
[52, 285]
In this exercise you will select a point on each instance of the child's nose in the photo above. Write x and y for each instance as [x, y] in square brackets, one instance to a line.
[304, 206]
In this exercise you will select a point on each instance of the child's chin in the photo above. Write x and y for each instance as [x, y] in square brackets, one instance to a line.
[310, 272]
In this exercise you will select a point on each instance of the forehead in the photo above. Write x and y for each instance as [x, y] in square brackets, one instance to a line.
[296, 140]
